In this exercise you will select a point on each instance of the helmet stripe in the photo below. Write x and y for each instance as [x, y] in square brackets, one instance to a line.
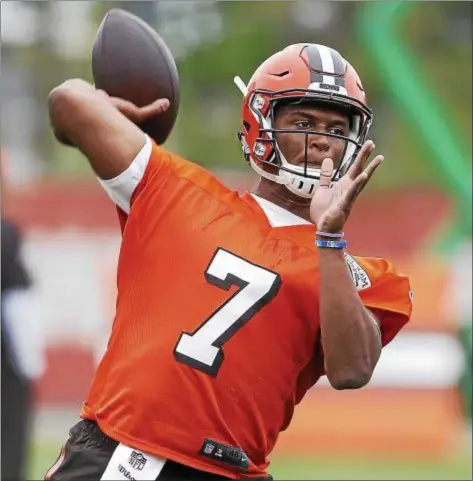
[315, 63]
[327, 64]
[329, 61]
[339, 68]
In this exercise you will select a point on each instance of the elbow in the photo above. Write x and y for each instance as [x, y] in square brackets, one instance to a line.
[349, 379]
[60, 102]
[59, 105]
[63, 99]
[63, 105]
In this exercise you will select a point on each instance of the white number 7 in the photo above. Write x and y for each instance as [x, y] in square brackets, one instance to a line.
[202, 349]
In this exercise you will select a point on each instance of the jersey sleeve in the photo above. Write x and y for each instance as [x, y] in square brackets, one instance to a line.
[384, 291]
[151, 161]
[121, 188]
[152, 165]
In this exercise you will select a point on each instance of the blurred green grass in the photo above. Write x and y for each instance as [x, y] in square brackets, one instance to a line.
[456, 468]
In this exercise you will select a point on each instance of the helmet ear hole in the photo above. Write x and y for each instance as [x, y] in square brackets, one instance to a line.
[246, 126]
[281, 74]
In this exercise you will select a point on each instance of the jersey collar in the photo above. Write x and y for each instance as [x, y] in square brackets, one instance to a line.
[277, 216]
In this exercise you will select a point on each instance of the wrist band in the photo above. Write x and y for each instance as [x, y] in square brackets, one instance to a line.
[337, 235]
[331, 244]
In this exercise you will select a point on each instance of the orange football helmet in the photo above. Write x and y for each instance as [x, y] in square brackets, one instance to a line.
[300, 73]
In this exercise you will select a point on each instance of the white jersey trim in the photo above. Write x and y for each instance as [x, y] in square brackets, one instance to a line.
[121, 188]
[277, 216]
[128, 463]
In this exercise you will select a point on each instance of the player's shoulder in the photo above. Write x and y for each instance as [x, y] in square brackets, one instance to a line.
[194, 174]
[382, 287]
[367, 271]
[380, 265]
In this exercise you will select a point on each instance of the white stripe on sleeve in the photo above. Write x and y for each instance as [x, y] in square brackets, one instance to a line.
[121, 188]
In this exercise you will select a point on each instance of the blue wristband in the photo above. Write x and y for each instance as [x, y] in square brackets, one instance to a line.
[331, 244]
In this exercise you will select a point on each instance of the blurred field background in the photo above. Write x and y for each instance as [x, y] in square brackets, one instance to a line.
[415, 59]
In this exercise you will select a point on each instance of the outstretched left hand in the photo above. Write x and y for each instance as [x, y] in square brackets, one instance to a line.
[332, 203]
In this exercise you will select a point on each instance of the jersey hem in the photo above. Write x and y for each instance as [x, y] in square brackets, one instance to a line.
[168, 453]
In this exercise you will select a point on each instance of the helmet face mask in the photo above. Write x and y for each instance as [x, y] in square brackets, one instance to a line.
[259, 131]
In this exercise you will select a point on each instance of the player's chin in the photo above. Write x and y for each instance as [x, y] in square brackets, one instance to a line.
[298, 200]
[291, 197]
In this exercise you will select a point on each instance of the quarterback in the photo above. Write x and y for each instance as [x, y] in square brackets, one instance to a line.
[230, 307]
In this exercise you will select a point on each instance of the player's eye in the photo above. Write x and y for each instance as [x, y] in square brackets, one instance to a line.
[337, 131]
[303, 124]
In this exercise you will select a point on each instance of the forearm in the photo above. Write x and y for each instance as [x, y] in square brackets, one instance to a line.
[350, 338]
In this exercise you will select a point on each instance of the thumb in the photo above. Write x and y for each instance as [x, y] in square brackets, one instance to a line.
[326, 173]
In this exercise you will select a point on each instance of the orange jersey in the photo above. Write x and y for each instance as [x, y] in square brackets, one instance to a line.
[216, 334]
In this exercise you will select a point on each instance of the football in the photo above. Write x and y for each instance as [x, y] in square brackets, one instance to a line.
[131, 61]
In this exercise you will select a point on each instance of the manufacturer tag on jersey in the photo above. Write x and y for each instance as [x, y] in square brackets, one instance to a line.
[225, 454]
[359, 275]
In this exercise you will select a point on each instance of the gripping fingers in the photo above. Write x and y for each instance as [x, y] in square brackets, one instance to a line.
[156, 108]
[161, 105]
[140, 114]
[128, 109]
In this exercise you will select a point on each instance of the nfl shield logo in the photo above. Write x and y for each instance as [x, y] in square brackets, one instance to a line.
[137, 460]
[209, 448]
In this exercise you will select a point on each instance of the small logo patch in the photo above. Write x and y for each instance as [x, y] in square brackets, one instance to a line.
[208, 449]
[137, 460]
[360, 277]
[336, 88]
[225, 454]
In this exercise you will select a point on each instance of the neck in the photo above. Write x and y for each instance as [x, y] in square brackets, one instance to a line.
[280, 195]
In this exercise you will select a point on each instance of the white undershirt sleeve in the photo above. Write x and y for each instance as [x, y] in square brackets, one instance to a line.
[121, 188]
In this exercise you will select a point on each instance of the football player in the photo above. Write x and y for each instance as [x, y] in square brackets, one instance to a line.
[230, 307]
